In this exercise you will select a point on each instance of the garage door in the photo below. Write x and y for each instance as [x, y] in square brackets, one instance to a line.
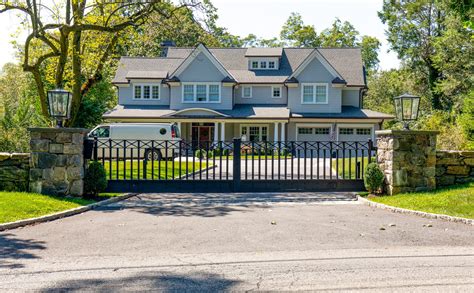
[355, 133]
[313, 134]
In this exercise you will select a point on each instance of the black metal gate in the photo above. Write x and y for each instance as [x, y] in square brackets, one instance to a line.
[178, 166]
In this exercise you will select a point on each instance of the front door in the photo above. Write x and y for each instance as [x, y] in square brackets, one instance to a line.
[202, 134]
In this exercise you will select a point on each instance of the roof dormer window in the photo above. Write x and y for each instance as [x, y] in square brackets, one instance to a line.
[254, 64]
[263, 63]
[271, 64]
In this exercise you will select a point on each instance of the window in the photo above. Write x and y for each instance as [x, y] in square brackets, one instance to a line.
[155, 92]
[263, 64]
[271, 64]
[254, 133]
[254, 64]
[138, 92]
[213, 93]
[101, 132]
[246, 92]
[363, 131]
[146, 92]
[201, 93]
[321, 131]
[346, 131]
[305, 130]
[314, 94]
[276, 92]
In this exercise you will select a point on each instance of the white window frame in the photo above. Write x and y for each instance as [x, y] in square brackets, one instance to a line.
[266, 61]
[260, 126]
[243, 91]
[314, 85]
[142, 85]
[195, 84]
[281, 94]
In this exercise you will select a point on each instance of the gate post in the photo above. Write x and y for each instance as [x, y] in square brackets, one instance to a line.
[237, 164]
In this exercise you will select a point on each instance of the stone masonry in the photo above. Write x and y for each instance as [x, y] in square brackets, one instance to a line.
[454, 167]
[57, 161]
[14, 171]
[408, 160]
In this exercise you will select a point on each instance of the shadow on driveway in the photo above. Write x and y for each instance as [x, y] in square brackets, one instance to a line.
[146, 281]
[217, 204]
[12, 249]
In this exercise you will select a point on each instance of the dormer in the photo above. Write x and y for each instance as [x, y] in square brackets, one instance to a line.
[263, 58]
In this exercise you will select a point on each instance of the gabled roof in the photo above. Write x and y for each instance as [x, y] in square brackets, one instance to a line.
[346, 61]
[190, 58]
[316, 54]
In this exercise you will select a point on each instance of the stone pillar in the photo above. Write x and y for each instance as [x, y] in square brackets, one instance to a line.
[408, 159]
[57, 161]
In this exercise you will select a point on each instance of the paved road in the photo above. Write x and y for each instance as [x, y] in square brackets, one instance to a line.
[208, 242]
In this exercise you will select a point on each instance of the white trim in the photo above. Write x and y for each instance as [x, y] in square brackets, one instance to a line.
[355, 126]
[255, 125]
[281, 93]
[195, 84]
[312, 125]
[142, 85]
[321, 59]
[314, 85]
[201, 49]
[267, 61]
[196, 109]
[243, 91]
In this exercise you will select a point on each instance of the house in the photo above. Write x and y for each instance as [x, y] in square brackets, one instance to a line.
[259, 94]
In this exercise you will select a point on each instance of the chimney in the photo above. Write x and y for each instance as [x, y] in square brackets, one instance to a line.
[164, 47]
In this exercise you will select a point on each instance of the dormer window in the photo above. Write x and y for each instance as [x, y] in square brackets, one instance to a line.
[263, 63]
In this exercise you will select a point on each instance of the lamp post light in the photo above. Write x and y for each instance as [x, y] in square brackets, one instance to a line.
[406, 108]
[59, 105]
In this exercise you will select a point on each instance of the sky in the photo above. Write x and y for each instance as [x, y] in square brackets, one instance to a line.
[265, 18]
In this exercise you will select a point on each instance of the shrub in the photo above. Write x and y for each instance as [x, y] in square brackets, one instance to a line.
[211, 154]
[95, 180]
[373, 178]
[225, 152]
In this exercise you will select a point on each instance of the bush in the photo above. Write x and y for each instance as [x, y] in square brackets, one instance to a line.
[373, 178]
[225, 152]
[95, 180]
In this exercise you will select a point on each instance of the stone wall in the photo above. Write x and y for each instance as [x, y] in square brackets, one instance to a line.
[57, 161]
[408, 160]
[14, 171]
[454, 167]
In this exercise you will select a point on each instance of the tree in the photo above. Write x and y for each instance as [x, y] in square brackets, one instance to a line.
[340, 34]
[412, 29]
[295, 33]
[370, 47]
[78, 38]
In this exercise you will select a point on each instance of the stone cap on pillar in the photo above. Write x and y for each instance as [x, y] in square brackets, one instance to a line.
[398, 132]
[51, 130]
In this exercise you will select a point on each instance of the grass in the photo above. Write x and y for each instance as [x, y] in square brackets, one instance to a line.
[249, 157]
[161, 169]
[16, 206]
[352, 161]
[455, 200]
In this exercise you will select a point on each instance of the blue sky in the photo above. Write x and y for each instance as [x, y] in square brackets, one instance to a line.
[265, 18]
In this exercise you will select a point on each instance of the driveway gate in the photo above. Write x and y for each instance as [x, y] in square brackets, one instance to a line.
[236, 166]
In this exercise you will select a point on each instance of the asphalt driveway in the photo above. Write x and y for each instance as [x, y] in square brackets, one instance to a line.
[208, 242]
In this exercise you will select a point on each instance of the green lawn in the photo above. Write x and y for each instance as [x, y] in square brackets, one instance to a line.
[454, 201]
[349, 164]
[16, 206]
[163, 169]
[249, 157]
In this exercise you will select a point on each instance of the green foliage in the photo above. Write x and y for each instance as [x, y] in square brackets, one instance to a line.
[297, 34]
[21, 109]
[95, 180]
[373, 178]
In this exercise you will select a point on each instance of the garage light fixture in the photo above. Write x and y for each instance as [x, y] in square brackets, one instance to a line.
[406, 108]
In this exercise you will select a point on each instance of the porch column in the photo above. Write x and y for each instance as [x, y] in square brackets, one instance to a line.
[222, 131]
[179, 126]
[275, 132]
[216, 132]
[283, 131]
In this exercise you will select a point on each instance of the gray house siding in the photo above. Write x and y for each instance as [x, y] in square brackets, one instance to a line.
[125, 95]
[261, 94]
[201, 69]
[315, 72]
[350, 98]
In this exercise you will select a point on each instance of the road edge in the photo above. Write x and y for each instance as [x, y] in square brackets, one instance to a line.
[414, 212]
[63, 214]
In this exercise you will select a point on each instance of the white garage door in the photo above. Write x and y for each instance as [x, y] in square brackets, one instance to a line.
[313, 134]
[362, 134]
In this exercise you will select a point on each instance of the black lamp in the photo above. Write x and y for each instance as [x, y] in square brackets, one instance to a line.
[59, 105]
[407, 107]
